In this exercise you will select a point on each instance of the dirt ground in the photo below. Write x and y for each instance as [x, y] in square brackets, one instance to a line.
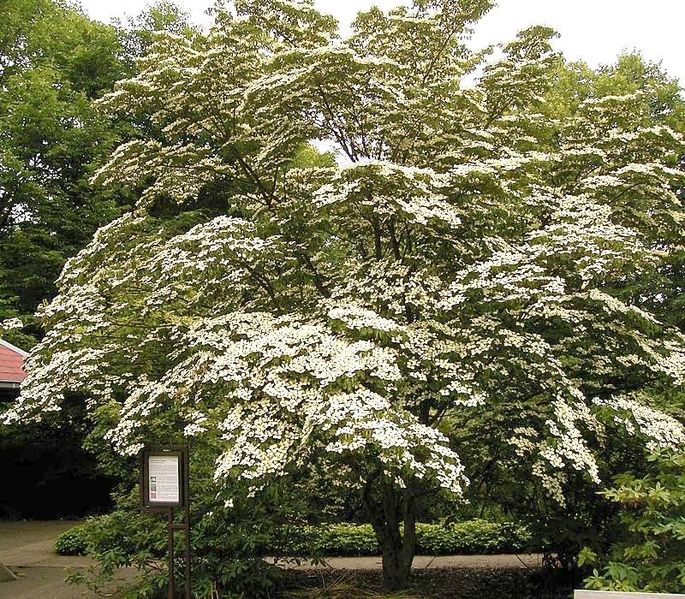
[27, 549]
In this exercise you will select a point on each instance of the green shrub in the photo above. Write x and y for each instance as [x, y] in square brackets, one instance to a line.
[651, 555]
[346, 539]
[472, 537]
[73, 541]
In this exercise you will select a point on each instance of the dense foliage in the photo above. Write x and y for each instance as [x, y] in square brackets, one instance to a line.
[481, 289]
[471, 537]
[651, 557]
[54, 61]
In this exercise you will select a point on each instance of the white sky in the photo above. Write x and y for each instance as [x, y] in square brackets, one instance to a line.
[593, 30]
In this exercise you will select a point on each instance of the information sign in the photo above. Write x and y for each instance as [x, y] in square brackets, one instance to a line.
[165, 485]
[162, 483]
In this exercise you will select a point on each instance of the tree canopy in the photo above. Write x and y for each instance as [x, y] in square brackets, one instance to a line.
[478, 252]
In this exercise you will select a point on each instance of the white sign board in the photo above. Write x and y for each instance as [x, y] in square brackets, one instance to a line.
[164, 485]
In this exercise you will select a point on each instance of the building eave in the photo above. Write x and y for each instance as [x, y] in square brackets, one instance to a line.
[14, 348]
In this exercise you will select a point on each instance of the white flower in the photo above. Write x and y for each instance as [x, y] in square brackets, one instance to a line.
[10, 324]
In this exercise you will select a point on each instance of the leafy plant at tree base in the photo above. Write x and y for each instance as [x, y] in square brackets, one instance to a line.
[651, 557]
[228, 545]
[469, 259]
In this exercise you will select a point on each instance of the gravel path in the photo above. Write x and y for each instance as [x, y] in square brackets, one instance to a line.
[421, 562]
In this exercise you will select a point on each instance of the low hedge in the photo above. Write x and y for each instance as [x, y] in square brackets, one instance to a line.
[471, 537]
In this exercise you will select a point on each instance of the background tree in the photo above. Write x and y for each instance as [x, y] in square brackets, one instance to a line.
[138, 31]
[462, 294]
[54, 61]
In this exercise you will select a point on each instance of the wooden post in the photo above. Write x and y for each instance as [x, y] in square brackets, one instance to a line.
[165, 485]
[170, 523]
[186, 484]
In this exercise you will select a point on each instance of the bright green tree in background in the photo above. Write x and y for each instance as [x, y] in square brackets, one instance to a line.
[54, 61]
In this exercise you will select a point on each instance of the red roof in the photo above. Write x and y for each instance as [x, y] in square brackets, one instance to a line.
[11, 359]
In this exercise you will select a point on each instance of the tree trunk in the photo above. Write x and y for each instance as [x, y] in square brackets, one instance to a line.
[393, 517]
[396, 567]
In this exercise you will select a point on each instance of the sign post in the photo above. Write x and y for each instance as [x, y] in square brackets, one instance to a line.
[165, 485]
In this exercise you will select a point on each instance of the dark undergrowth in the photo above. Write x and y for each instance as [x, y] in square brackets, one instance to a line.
[462, 583]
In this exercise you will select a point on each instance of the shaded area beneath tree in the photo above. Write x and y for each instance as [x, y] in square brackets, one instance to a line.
[47, 474]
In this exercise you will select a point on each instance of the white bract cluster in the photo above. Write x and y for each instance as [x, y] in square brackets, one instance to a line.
[466, 256]
[10, 324]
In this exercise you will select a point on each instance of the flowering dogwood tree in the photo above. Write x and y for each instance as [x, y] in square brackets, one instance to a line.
[471, 250]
